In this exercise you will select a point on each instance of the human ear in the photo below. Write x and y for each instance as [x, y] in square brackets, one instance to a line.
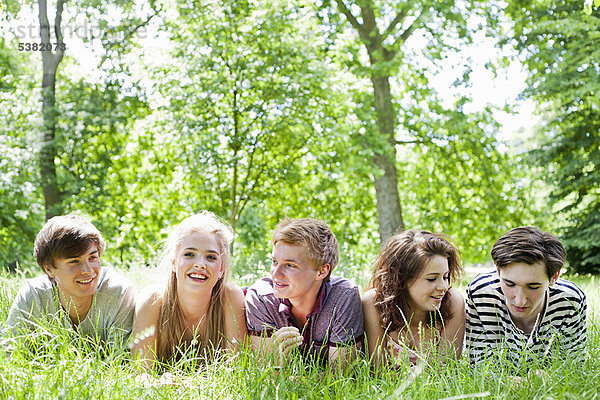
[323, 271]
[49, 271]
[554, 277]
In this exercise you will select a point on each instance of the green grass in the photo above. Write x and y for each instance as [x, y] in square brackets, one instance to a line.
[52, 365]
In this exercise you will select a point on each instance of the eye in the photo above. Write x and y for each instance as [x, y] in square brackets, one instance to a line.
[93, 258]
[509, 284]
[290, 266]
[211, 257]
[534, 287]
[447, 277]
[188, 254]
[74, 262]
[431, 279]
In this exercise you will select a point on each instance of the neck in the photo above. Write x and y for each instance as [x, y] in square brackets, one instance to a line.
[76, 308]
[193, 305]
[417, 318]
[302, 306]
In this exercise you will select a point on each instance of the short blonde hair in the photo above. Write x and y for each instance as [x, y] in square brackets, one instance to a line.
[314, 235]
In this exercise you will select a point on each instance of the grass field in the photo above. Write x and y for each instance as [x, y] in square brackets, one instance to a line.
[59, 367]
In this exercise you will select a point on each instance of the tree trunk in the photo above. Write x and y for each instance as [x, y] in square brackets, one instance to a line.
[389, 211]
[52, 195]
[47, 155]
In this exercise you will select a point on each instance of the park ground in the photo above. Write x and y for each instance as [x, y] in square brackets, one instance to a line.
[56, 368]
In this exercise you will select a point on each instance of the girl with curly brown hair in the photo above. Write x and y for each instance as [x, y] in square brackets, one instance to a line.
[411, 310]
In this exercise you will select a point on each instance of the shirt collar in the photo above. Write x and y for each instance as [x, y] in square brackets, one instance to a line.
[285, 306]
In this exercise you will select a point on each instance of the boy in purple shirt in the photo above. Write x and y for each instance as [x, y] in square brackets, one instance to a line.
[300, 306]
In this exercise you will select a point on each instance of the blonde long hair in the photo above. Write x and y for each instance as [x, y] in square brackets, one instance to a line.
[171, 324]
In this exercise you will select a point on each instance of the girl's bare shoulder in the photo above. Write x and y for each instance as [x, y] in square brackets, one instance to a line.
[150, 298]
[368, 296]
[234, 295]
[457, 301]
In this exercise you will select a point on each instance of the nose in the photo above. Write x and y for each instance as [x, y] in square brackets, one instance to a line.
[443, 285]
[520, 298]
[275, 270]
[86, 268]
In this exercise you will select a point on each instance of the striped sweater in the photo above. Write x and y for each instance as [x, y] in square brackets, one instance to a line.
[489, 328]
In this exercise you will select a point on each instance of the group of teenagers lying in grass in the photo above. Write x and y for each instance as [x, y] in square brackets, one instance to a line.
[409, 313]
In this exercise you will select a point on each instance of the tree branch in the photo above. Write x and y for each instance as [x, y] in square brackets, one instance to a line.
[352, 19]
[128, 34]
[44, 24]
[253, 146]
[392, 26]
[57, 31]
[408, 31]
[262, 168]
[399, 18]
[219, 181]
[408, 141]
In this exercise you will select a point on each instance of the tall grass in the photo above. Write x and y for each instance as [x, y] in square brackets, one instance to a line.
[51, 364]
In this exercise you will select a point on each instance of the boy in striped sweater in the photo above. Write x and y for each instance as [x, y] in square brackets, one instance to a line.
[523, 309]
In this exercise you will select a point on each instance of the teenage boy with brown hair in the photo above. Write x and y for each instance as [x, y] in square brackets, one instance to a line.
[300, 305]
[75, 289]
[524, 307]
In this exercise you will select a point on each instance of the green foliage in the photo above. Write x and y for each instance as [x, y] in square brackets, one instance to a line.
[562, 49]
[458, 182]
[452, 177]
[20, 208]
[257, 111]
[254, 130]
[245, 111]
[587, 6]
[94, 122]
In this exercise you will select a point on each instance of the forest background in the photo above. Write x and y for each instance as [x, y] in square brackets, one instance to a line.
[147, 111]
[362, 113]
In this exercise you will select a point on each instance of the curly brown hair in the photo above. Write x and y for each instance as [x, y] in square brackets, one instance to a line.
[402, 260]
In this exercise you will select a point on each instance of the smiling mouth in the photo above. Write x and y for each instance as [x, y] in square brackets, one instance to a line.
[279, 285]
[198, 277]
[86, 281]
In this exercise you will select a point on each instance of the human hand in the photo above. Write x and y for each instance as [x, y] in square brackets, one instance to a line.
[145, 380]
[168, 379]
[284, 340]
[402, 352]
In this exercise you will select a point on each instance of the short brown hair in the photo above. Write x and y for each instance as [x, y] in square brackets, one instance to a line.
[65, 236]
[314, 235]
[403, 259]
[529, 244]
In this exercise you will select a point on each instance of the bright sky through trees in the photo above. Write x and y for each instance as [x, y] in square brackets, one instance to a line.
[499, 91]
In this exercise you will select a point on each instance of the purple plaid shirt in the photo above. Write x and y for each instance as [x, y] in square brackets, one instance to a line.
[337, 317]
